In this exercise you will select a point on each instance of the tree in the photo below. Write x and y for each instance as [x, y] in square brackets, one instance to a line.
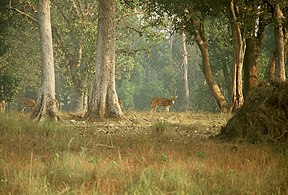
[254, 18]
[279, 43]
[239, 49]
[104, 100]
[47, 106]
[192, 18]
[74, 29]
[185, 73]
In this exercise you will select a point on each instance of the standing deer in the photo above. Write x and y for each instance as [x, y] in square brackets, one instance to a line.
[27, 103]
[2, 106]
[165, 102]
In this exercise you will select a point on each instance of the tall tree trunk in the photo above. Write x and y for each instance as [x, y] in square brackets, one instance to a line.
[239, 48]
[104, 100]
[250, 65]
[214, 87]
[198, 32]
[227, 77]
[171, 39]
[185, 73]
[77, 80]
[251, 56]
[47, 106]
[270, 69]
[279, 45]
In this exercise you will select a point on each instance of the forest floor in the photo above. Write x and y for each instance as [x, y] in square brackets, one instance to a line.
[182, 125]
[145, 153]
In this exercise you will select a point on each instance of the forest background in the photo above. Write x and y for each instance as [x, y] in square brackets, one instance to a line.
[149, 55]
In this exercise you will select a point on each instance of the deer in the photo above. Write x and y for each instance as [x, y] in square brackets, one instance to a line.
[2, 106]
[27, 103]
[165, 102]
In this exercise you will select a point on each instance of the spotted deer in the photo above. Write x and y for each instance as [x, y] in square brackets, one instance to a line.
[27, 103]
[2, 106]
[164, 102]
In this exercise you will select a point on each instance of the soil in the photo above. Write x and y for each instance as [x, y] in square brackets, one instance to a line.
[183, 126]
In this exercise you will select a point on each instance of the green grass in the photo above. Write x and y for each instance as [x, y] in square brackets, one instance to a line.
[151, 154]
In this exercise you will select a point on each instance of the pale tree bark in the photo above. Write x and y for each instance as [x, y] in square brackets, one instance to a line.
[185, 73]
[239, 49]
[77, 77]
[82, 11]
[171, 39]
[279, 44]
[104, 100]
[198, 32]
[47, 106]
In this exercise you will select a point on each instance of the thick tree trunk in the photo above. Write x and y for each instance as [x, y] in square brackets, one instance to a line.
[185, 73]
[251, 56]
[279, 45]
[47, 106]
[104, 100]
[250, 65]
[239, 48]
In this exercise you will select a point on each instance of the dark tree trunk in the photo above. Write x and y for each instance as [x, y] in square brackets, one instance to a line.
[227, 81]
[250, 65]
[270, 69]
[251, 57]
[279, 45]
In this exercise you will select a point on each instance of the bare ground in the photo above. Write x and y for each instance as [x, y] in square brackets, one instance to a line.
[184, 125]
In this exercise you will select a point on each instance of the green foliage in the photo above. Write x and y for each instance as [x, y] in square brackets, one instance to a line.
[281, 149]
[4, 24]
[127, 90]
[201, 155]
[20, 46]
[145, 66]
[202, 98]
[164, 158]
[161, 128]
[9, 85]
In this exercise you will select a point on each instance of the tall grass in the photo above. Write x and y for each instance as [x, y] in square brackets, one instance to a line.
[49, 158]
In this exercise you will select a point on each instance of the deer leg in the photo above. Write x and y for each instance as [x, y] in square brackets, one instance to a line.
[23, 109]
[154, 108]
[167, 108]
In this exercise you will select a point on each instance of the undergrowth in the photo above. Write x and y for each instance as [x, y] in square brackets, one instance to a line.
[62, 158]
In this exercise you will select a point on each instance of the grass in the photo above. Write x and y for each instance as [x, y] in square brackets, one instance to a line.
[147, 153]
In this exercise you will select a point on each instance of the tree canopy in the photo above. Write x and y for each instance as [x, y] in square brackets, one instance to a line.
[144, 64]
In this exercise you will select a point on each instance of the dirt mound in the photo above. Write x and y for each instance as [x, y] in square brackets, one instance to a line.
[263, 117]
